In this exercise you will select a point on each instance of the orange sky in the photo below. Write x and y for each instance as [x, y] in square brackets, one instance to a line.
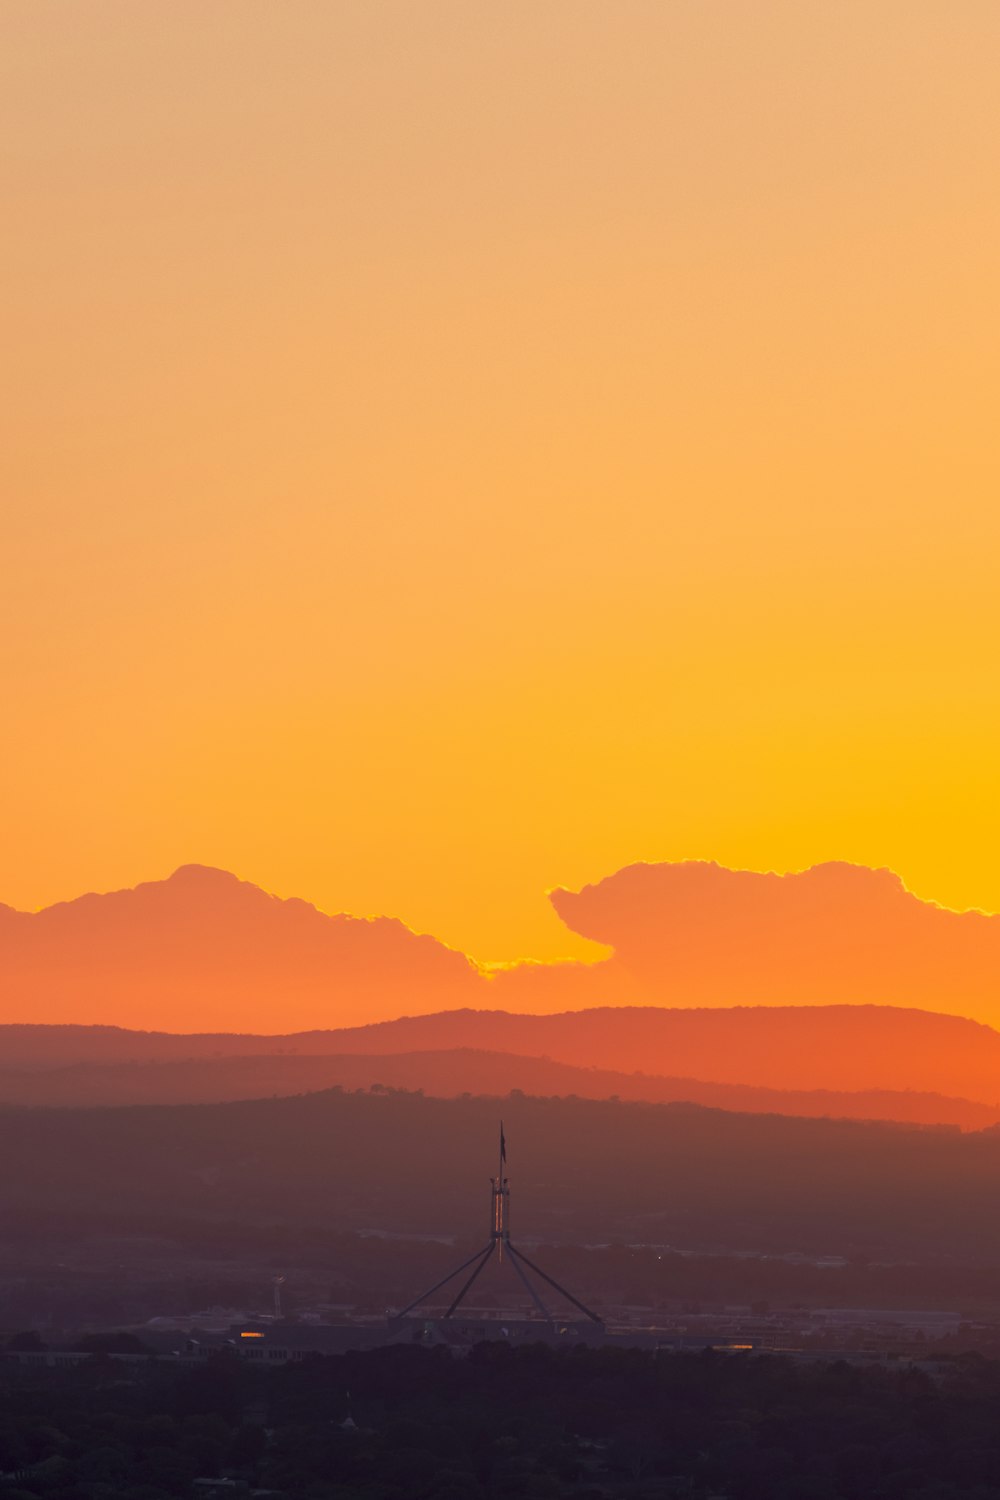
[453, 450]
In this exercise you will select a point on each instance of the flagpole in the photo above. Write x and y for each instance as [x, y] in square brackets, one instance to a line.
[500, 1231]
[500, 1198]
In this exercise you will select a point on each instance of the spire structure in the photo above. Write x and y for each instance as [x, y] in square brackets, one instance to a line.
[500, 1245]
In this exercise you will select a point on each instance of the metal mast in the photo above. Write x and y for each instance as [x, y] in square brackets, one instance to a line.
[501, 1199]
[499, 1242]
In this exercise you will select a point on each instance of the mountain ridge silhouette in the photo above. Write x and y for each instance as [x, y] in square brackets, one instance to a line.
[840, 1048]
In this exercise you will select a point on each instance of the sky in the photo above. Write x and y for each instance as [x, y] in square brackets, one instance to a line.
[456, 450]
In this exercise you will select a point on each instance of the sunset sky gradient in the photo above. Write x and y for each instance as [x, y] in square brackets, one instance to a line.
[454, 450]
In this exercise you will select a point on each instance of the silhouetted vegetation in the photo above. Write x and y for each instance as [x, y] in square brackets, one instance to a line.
[413, 1424]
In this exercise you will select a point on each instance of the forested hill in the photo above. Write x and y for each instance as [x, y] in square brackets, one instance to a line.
[581, 1170]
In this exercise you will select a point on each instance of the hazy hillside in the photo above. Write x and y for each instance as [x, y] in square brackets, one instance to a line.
[839, 1048]
[581, 1171]
[448, 1074]
[847, 1047]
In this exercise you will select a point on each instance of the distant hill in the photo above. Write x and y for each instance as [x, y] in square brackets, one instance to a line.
[210, 1080]
[842, 1048]
[206, 950]
[581, 1171]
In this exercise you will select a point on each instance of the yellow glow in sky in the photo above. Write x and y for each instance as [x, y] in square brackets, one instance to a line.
[454, 449]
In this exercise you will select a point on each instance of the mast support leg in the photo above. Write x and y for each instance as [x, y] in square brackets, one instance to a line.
[443, 1282]
[519, 1255]
[487, 1254]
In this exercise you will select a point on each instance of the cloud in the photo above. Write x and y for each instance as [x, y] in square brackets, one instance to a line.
[695, 933]
[205, 951]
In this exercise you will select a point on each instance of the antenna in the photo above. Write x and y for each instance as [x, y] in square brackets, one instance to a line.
[278, 1282]
[501, 1200]
[499, 1242]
